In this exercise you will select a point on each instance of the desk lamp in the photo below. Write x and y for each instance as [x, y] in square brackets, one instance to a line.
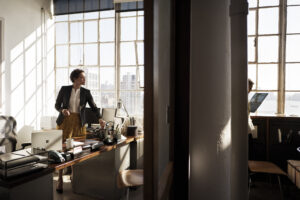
[119, 107]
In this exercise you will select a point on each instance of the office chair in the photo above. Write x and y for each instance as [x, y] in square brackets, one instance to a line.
[8, 134]
[265, 167]
[130, 178]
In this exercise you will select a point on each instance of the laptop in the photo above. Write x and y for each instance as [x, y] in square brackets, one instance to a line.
[256, 101]
[47, 139]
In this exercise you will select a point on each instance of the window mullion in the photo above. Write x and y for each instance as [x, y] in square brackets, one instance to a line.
[117, 54]
[281, 65]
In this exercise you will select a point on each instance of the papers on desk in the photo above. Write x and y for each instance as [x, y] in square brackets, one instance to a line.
[76, 143]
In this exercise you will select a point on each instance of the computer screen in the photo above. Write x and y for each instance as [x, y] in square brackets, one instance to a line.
[256, 101]
[91, 117]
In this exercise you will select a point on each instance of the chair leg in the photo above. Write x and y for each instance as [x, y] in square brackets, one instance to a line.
[127, 193]
[280, 187]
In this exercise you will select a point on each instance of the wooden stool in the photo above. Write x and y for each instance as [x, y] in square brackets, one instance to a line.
[129, 178]
[267, 168]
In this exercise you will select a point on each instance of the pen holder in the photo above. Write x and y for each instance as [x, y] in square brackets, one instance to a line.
[131, 130]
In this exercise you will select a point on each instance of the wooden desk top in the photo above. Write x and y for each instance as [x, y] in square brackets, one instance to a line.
[89, 155]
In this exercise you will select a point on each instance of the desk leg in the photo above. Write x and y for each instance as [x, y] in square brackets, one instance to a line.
[133, 155]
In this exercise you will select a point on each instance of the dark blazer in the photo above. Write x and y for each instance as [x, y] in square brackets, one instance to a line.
[63, 98]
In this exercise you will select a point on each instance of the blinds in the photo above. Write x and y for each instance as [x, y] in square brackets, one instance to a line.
[62, 7]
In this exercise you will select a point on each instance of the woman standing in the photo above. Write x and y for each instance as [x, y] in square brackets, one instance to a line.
[70, 103]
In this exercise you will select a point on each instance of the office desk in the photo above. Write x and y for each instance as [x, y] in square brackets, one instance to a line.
[130, 140]
[278, 138]
[95, 173]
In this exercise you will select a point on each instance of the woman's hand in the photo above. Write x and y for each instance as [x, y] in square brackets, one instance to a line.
[102, 123]
[65, 112]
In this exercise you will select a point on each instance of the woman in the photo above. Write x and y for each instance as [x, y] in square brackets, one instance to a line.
[70, 103]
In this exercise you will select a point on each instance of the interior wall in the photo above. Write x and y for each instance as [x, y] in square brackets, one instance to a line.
[210, 100]
[28, 67]
[161, 65]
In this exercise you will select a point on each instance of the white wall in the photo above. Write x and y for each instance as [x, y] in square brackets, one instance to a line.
[28, 67]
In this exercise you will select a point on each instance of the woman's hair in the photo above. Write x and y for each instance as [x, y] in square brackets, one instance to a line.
[75, 74]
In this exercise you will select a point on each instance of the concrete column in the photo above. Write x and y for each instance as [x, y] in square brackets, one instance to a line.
[239, 155]
[210, 100]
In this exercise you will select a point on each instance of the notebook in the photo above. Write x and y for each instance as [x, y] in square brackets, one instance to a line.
[256, 101]
[48, 140]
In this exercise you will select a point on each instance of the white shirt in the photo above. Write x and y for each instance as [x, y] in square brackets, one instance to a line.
[74, 103]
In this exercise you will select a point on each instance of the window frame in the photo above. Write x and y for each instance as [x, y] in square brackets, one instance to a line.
[1, 57]
[116, 65]
[282, 41]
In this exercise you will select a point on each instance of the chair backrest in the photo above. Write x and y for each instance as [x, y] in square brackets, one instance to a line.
[8, 135]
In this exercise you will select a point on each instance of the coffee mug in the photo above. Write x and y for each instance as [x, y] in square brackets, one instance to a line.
[69, 143]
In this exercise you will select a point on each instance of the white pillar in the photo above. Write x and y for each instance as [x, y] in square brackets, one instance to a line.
[210, 100]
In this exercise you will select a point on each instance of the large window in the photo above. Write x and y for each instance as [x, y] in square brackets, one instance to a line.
[109, 47]
[1, 57]
[273, 53]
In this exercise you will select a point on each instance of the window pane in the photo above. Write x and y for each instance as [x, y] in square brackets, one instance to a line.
[127, 53]
[76, 32]
[251, 22]
[269, 105]
[59, 18]
[107, 78]
[140, 28]
[293, 2]
[140, 51]
[92, 80]
[141, 76]
[293, 16]
[107, 30]
[106, 14]
[140, 103]
[267, 77]
[128, 29]
[251, 49]
[76, 16]
[268, 21]
[129, 100]
[62, 78]
[128, 14]
[107, 54]
[292, 103]
[91, 54]
[292, 77]
[62, 56]
[90, 31]
[128, 78]
[96, 97]
[252, 74]
[268, 49]
[91, 15]
[108, 100]
[140, 12]
[292, 48]
[268, 3]
[61, 33]
[252, 3]
[76, 55]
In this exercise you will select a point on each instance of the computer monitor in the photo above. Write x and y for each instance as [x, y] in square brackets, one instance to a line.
[256, 101]
[47, 139]
[91, 117]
